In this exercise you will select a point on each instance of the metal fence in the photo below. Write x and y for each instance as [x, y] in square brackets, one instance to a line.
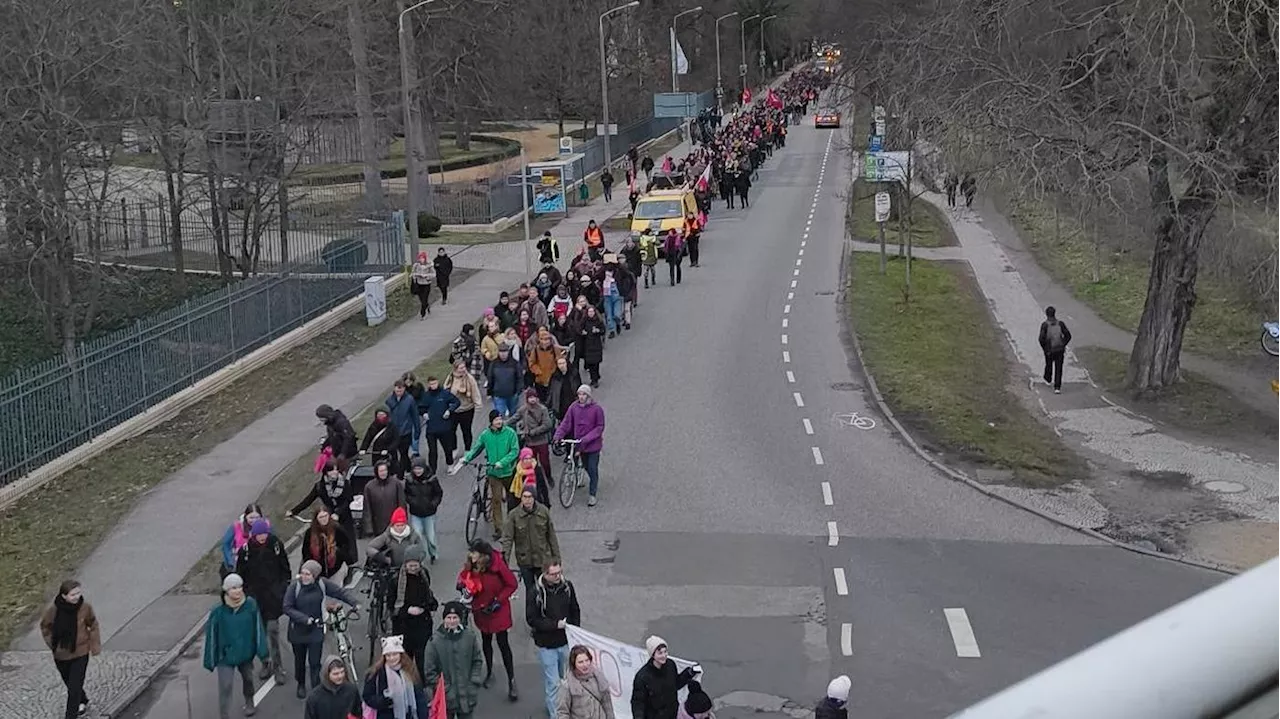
[50, 408]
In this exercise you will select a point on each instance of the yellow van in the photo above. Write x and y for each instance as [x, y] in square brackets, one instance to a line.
[663, 210]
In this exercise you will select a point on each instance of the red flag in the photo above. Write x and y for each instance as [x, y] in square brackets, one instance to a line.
[746, 96]
[438, 710]
[773, 100]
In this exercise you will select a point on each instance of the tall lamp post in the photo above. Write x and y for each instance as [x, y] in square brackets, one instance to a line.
[675, 67]
[406, 101]
[763, 20]
[604, 79]
[719, 76]
[742, 36]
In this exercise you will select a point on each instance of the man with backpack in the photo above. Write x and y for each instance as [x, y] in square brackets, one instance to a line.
[1054, 338]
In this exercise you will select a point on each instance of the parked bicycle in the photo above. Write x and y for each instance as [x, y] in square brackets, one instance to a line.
[570, 474]
[1271, 338]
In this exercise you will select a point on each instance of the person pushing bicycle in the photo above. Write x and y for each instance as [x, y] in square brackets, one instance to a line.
[501, 447]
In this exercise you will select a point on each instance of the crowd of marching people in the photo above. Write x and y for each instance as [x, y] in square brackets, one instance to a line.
[535, 360]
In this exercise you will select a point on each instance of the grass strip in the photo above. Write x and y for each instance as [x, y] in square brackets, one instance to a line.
[928, 227]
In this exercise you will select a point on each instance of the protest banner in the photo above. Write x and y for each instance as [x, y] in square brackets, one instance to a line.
[618, 663]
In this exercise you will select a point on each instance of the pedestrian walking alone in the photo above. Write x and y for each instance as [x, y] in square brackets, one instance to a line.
[456, 655]
[606, 184]
[263, 564]
[233, 636]
[443, 264]
[584, 693]
[833, 704]
[421, 277]
[551, 603]
[414, 604]
[463, 385]
[1054, 338]
[70, 630]
[968, 187]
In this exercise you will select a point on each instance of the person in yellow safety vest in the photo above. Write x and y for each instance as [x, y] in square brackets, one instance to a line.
[649, 256]
[594, 237]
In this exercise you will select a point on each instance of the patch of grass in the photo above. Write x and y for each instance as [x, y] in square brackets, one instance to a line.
[1224, 324]
[394, 163]
[928, 227]
[940, 364]
[514, 233]
[104, 489]
[125, 297]
[1195, 404]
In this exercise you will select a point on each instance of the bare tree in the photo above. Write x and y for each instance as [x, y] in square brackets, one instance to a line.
[364, 105]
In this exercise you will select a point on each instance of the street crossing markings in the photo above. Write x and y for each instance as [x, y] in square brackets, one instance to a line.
[962, 633]
[842, 587]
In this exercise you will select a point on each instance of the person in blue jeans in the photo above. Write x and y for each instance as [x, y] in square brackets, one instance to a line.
[612, 296]
[550, 604]
[423, 493]
[506, 379]
[402, 409]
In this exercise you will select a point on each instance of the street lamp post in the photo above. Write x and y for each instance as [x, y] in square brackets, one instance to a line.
[719, 76]
[675, 67]
[406, 101]
[742, 36]
[762, 23]
[604, 79]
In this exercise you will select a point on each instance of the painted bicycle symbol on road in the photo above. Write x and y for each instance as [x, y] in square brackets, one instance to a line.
[853, 419]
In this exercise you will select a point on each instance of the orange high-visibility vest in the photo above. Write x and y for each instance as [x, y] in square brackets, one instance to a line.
[595, 237]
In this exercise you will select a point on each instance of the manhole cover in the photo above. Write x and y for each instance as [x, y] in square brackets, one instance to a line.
[1224, 487]
[844, 386]
[825, 293]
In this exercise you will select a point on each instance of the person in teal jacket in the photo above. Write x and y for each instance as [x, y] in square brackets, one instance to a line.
[501, 447]
[233, 637]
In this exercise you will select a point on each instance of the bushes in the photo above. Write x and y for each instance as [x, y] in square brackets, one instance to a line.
[345, 255]
[428, 224]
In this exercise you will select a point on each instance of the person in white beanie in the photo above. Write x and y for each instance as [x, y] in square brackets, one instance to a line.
[654, 693]
[393, 689]
[833, 704]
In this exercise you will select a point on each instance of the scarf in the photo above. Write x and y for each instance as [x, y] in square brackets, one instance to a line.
[403, 704]
[524, 475]
[66, 628]
[233, 603]
[335, 487]
[323, 546]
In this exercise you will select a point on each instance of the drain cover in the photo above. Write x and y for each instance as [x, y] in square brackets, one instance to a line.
[825, 293]
[1224, 487]
[844, 386]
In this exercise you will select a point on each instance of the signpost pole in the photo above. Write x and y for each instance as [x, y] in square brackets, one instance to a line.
[883, 259]
[524, 204]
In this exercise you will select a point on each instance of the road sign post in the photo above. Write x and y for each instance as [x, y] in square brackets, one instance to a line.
[882, 215]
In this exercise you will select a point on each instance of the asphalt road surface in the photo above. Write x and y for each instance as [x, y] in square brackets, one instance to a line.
[761, 531]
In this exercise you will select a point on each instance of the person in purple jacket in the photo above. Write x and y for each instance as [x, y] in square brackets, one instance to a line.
[585, 422]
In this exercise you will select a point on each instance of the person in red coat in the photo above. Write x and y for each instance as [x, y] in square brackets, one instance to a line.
[486, 577]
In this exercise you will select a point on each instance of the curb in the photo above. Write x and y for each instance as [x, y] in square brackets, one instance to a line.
[851, 339]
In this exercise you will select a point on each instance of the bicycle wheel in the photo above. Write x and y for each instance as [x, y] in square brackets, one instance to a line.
[864, 423]
[375, 632]
[568, 485]
[475, 514]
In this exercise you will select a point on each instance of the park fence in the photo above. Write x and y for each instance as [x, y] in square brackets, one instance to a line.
[52, 407]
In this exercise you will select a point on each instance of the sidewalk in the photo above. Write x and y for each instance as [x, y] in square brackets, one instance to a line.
[1148, 486]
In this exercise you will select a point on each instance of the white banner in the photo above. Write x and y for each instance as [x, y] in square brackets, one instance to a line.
[682, 62]
[618, 663]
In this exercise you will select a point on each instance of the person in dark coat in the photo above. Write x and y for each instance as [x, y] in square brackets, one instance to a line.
[382, 440]
[437, 405]
[563, 390]
[337, 697]
[654, 693]
[1054, 338]
[506, 380]
[328, 543]
[263, 564]
[304, 603]
[340, 436]
[403, 411]
[742, 185]
[444, 268]
[414, 603]
[833, 705]
[393, 687]
[382, 496]
[423, 494]
[551, 603]
[335, 492]
[590, 343]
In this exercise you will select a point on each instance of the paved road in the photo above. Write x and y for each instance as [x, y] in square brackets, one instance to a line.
[722, 507]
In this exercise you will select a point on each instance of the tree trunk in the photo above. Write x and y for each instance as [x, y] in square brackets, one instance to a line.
[422, 128]
[364, 107]
[174, 194]
[1154, 362]
[463, 139]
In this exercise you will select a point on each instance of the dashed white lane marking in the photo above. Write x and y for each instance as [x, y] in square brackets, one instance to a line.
[785, 321]
[786, 356]
[826, 494]
[793, 284]
[263, 691]
[808, 426]
[802, 242]
[786, 309]
[785, 339]
[802, 252]
[796, 273]
[962, 633]
[799, 400]
[846, 639]
[817, 456]
[842, 587]
[791, 295]
[791, 377]
[833, 535]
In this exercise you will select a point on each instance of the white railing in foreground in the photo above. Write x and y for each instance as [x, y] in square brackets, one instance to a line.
[1200, 659]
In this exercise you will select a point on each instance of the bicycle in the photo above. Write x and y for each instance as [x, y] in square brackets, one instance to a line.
[335, 620]
[570, 475]
[481, 503]
[381, 581]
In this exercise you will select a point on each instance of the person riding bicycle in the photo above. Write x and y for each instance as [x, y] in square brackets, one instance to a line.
[585, 422]
[501, 448]
[340, 436]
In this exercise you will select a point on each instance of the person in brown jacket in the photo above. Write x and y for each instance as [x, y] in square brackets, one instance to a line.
[71, 631]
[541, 352]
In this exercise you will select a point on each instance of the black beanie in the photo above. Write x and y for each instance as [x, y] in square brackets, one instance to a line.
[697, 701]
[493, 414]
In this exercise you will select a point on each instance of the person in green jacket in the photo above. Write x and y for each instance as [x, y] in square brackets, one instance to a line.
[455, 654]
[501, 448]
[233, 637]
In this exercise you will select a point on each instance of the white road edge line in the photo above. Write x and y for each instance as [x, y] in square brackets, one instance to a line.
[962, 633]
[808, 426]
[833, 534]
[791, 377]
[263, 691]
[786, 356]
[842, 587]
[846, 639]
[826, 494]
[817, 456]
[799, 400]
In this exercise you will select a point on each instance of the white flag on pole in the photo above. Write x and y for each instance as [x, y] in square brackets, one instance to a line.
[682, 62]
